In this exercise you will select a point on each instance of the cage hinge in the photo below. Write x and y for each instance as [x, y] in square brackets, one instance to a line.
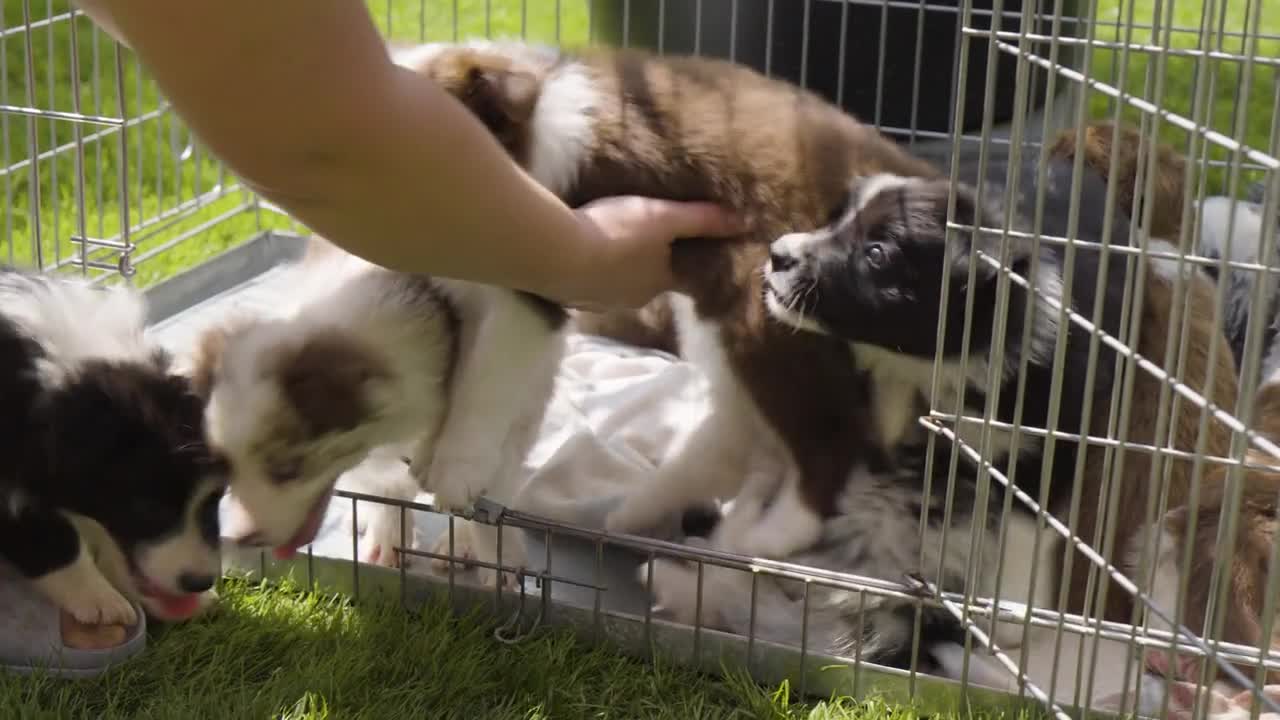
[488, 511]
[123, 262]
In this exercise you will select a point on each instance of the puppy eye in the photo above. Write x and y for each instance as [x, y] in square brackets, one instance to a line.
[285, 471]
[876, 256]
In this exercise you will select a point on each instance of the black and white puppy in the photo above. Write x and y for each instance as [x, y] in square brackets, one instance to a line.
[875, 279]
[108, 493]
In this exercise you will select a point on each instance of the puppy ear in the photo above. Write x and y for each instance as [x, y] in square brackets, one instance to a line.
[328, 379]
[502, 98]
[207, 360]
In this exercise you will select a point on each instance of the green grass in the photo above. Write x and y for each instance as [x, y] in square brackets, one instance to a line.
[282, 653]
[1211, 93]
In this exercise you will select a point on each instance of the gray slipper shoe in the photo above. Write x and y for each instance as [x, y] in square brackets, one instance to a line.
[31, 635]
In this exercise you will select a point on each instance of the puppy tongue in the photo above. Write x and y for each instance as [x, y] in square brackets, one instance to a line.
[171, 605]
[307, 532]
[179, 607]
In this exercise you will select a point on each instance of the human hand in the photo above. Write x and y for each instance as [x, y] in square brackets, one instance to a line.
[628, 241]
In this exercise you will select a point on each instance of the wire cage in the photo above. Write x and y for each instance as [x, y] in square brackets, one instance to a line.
[100, 179]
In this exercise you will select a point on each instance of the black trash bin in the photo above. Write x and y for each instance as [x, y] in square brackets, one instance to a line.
[769, 35]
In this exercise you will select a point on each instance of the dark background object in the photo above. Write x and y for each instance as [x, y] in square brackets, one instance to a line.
[774, 42]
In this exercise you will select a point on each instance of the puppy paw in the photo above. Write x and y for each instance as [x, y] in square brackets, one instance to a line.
[1184, 668]
[468, 548]
[675, 588]
[420, 461]
[102, 605]
[86, 595]
[382, 536]
[460, 552]
[457, 482]
[489, 578]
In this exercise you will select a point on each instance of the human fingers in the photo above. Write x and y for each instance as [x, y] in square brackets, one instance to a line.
[696, 219]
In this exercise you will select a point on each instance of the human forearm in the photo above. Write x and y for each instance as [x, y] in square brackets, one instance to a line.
[425, 186]
[300, 99]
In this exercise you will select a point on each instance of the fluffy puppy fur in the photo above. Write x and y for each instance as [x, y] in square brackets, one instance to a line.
[365, 361]
[872, 278]
[600, 122]
[1218, 215]
[108, 493]
[1118, 162]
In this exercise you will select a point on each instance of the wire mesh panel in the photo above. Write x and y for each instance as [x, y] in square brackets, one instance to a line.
[1175, 109]
[1151, 363]
[99, 178]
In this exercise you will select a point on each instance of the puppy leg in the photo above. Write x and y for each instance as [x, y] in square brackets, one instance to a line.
[710, 464]
[478, 541]
[502, 383]
[84, 592]
[61, 565]
[383, 473]
[787, 526]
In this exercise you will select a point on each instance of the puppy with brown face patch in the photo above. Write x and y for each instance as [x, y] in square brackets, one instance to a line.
[873, 279]
[365, 362]
[596, 123]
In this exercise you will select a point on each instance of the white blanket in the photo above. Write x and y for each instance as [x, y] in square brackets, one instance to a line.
[615, 414]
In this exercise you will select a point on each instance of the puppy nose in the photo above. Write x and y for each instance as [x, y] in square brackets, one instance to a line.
[781, 262]
[193, 583]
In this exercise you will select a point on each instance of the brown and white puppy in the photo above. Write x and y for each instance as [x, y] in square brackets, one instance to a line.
[366, 361]
[1118, 161]
[599, 122]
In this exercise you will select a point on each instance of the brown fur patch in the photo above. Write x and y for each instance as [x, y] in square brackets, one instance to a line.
[324, 379]
[652, 326]
[1246, 576]
[1256, 525]
[1119, 163]
[500, 92]
[686, 128]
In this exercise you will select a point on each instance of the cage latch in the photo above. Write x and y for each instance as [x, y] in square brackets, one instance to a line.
[488, 511]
